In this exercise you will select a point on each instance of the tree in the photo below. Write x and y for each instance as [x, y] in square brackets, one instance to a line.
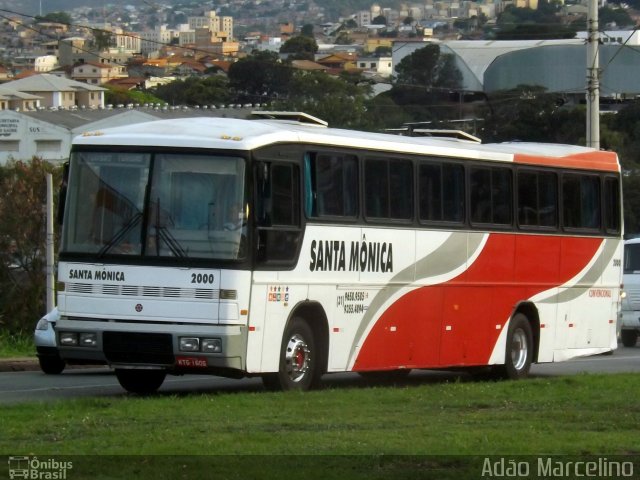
[307, 30]
[383, 51]
[635, 4]
[470, 24]
[116, 95]
[529, 113]
[614, 16]
[526, 24]
[300, 48]
[427, 67]
[627, 124]
[379, 20]
[631, 207]
[260, 76]
[425, 82]
[338, 100]
[344, 38]
[351, 23]
[22, 243]
[102, 39]
[56, 17]
[194, 91]
[384, 112]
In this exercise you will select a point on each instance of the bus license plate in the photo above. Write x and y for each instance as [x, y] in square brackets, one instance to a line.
[191, 362]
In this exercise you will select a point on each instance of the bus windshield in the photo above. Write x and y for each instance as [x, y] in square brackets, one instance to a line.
[156, 205]
[632, 258]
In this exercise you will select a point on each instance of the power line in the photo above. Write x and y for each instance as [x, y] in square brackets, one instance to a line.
[624, 44]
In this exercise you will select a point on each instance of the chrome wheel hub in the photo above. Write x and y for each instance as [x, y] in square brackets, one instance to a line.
[519, 349]
[297, 358]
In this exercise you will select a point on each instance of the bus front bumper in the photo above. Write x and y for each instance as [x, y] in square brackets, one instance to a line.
[177, 348]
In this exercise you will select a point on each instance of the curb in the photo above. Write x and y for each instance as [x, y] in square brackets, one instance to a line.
[26, 364]
[31, 364]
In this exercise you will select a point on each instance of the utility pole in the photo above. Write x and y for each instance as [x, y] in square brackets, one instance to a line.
[593, 77]
[49, 250]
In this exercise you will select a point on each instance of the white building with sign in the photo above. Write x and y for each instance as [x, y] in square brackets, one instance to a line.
[22, 137]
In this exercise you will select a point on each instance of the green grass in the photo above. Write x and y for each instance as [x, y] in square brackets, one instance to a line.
[570, 415]
[14, 345]
[387, 432]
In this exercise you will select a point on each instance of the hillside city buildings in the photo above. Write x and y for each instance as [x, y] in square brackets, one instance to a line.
[64, 69]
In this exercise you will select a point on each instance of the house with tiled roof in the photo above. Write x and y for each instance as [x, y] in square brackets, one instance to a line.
[223, 65]
[308, 65]
[14, 100]
[24, 74]
[337, 62]
[59, 92]
[97, 73]
[128, 83]
[190, 68]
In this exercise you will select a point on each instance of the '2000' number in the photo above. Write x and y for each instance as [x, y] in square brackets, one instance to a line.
[202, 278]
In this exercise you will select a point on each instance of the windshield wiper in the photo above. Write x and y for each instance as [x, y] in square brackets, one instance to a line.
[163, 234]
[113, 241]
[170, 240]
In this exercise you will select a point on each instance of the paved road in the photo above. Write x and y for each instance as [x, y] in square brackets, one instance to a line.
[18, 387]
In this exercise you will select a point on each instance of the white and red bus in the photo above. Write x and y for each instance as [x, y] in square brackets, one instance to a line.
[281, 248]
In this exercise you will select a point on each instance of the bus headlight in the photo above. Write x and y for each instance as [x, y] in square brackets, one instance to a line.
[211, 345]
[189, 344]
[88, 339]
[69, 339]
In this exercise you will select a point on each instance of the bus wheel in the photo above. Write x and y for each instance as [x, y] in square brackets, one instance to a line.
[390, 376]
[51, 365]
[299, 368]
[142, 382]
[629, 338]
[519, 351]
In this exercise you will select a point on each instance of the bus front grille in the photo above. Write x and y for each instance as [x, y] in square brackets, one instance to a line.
[138, 348]
[143, 291]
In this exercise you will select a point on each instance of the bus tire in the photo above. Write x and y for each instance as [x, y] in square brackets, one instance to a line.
[386, 376]
[142, 382]
[519, 349]
[51, 364]
[299, 368]
[629, 338]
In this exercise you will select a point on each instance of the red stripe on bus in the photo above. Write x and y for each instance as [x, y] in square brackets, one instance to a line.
[472, 303]
[606, 161]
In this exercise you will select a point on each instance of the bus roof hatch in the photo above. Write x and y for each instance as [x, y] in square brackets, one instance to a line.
[299, 117]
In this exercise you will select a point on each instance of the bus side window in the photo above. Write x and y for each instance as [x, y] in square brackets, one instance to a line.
[612, 204]
[441, 189]
[491, 197]
[581, 201]
[388, 189]
[277, 212]
[537, 199]
[331, 185]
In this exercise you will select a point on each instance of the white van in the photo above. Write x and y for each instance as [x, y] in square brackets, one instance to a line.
[630, 311]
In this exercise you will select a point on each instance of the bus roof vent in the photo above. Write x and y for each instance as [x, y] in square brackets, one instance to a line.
[457, 134]
[299, 117]
[433, 132]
